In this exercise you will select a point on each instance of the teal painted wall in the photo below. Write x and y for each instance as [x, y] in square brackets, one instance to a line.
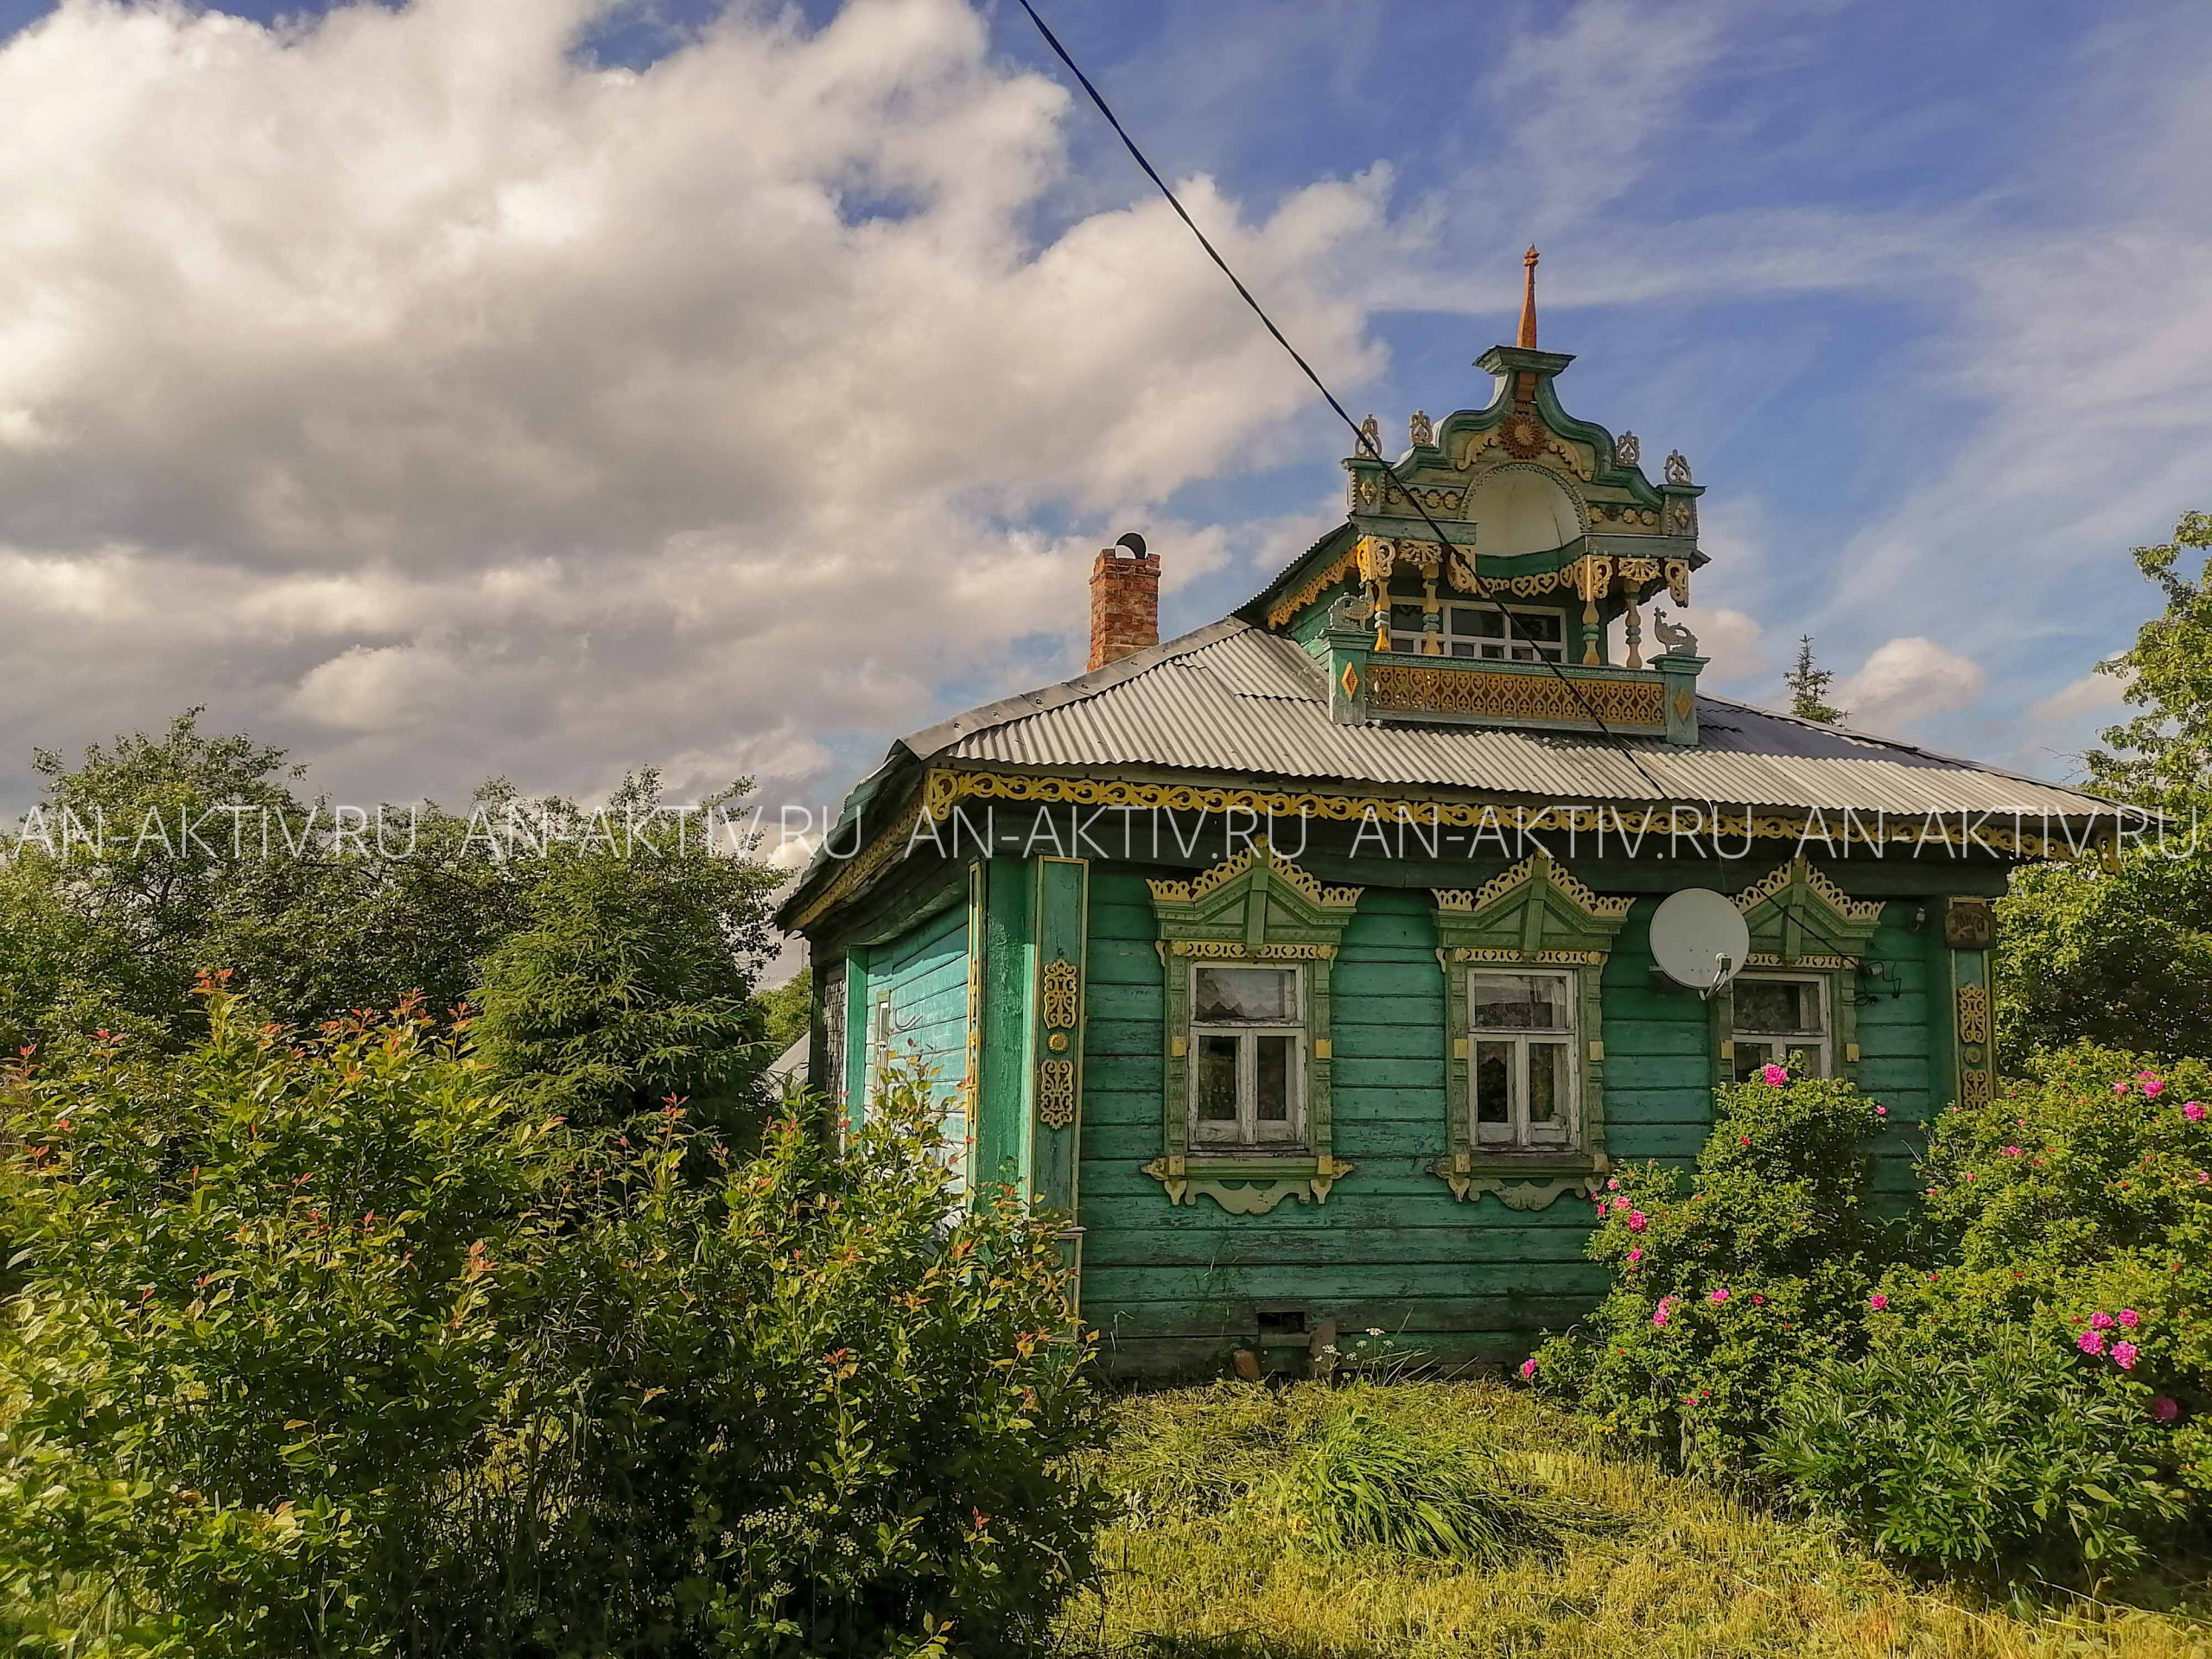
[925, 971]
[1177, 1287]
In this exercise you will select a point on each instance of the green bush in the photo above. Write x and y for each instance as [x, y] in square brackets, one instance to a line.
[323, 1346]
[1978, 1447]
[1726, 1295]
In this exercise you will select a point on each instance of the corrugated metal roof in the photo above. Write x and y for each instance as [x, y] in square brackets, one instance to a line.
[1234, 698]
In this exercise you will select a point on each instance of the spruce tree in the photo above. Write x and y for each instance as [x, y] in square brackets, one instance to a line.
[1808, 687]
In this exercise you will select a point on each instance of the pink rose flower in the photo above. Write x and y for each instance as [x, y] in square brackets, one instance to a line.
[1635, 1256]
[2130, 1318]
[1612, 1186]
[2123, 1355]
[2100, 1321]
[2014, 1152]
[1527, 1370]
[1878, 1301]
[1774, 1075]
[1720, 1295]
[1666, 1305]
[2153, 1087]
[2091, 1342]
[2165, 1408]
[1601, 1209]
[2193, 1111]
[1635, 1223]
[1881, 1111]
[2119, 1088]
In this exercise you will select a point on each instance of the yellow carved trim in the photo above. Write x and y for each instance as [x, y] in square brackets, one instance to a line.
[1236, 950]
[1537, 867]
[1974, 1086]
[1401, 687]
[1056, 1094]
[1768, 959]
[947, 788]
[1372, 558]
[1189, 893]
[1779, 879]
[1973, 1014]
[1543, 958]
[1060, 997]
[1344, 564]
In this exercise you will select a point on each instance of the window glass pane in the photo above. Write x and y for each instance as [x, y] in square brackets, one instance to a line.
[1479, 620]
[1494, 1085]
[1405, 619]
[1462, 648]
[1216, 1079]
[1751, 1057]
[1777, 1004]
[1518, 1002]
[1541, 626]
[1244, 994]
[1408, 643]
[1548, 1074]
[1271, 1082]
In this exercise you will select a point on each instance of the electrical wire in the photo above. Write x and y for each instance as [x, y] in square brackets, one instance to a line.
[1485, 590]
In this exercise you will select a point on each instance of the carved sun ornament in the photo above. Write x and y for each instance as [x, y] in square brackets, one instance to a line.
[1522, 434]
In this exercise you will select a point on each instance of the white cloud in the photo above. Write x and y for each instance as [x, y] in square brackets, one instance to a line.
[1908, 680]
[416, 393]
[2089, 695]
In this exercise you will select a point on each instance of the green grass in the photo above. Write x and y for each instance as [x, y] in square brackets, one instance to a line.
[1411, 1519]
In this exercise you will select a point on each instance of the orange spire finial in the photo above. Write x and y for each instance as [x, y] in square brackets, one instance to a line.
[1528, 303]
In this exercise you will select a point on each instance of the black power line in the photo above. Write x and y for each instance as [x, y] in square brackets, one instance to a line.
[1485, 590]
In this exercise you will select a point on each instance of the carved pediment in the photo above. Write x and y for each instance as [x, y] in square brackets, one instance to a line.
[1796, 914]
[1534, 912]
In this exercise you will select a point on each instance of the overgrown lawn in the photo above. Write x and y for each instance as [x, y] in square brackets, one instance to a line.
[1251, 1530]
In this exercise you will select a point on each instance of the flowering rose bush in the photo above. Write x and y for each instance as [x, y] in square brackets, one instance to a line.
[1727, 1289]
[2068, 1231]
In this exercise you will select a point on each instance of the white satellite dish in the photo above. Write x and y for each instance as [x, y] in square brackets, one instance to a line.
[1698, 939]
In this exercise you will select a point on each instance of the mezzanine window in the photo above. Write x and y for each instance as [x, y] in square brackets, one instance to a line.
[1478, 631]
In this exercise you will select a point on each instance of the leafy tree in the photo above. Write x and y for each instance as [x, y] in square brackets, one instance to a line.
[2163, 756]
[1808, 687]
[789, 1010]
[630, 980]
[616, 950]
[2123, 956]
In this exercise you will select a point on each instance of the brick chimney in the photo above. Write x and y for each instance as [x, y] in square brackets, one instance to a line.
[1124, 601]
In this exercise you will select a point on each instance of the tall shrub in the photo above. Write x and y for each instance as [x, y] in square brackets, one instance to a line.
[2033, 1396]
[324, 1346]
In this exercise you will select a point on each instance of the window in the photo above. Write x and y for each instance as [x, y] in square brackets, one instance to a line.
[1247, 1032]
[876, 1056]
[1523, 1050]
[1776, 1017]
[1477, 630]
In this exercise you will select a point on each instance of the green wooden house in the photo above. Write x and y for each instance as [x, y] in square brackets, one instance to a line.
[1302, 962]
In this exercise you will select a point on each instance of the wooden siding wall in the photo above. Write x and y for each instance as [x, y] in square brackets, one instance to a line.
[1175, 1288]
[925, 971]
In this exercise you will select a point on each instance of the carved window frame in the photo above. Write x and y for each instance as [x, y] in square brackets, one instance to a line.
[1255, 910]
[1802, 926]
[1533, 916]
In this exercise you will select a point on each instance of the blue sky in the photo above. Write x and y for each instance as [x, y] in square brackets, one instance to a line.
[1914, 287]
